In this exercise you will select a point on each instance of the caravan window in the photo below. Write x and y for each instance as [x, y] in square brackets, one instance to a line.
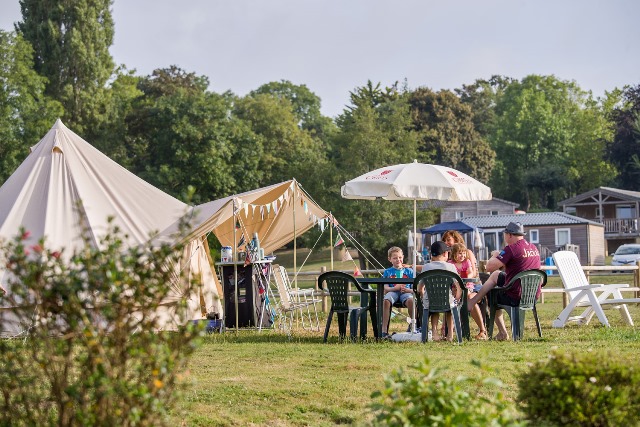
[563, 236]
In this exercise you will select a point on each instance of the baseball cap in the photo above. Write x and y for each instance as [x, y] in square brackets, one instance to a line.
[438, 248]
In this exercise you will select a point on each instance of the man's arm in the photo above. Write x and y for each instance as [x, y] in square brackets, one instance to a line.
[494, 263]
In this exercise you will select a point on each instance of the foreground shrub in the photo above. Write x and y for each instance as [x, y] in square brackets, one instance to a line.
[590, 389]
[91, 354]
[431, 399]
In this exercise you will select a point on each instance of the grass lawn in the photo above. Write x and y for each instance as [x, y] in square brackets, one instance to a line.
[267, 378]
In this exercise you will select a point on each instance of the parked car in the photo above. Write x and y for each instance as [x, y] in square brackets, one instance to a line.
[626, 255]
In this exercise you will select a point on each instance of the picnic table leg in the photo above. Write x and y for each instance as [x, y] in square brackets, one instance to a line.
[364, 302]
[379, 307]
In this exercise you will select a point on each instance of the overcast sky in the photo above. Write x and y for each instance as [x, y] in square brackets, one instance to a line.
[334, 46]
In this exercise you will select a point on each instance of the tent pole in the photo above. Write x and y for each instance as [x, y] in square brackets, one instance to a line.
[295, 243]
[235, 264]
[331, 237]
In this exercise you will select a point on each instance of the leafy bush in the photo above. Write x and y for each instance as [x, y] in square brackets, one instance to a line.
[589, 389]
[431, 399]
[91, 355]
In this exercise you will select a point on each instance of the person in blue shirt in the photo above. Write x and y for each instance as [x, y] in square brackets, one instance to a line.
[399, 292]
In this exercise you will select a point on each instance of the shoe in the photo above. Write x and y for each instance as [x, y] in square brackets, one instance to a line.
[482, 336]
[386, 336]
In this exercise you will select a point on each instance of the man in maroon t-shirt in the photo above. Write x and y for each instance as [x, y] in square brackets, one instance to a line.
[519, 255]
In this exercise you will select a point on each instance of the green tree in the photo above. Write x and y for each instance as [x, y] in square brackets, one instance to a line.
[447, 133]
[625, 146]
[305, 104]
[71, 43]
[111, 136]
[181, 135]
[286, 150]
[374, 131]
[483, 96]
[536, 127]
[588, 165]
[25, 112]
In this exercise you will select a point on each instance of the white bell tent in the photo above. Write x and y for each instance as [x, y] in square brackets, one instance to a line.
[66, 187]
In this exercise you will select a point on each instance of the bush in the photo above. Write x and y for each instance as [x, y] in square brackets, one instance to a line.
[91, 355]
[430, 399]
[590, 389]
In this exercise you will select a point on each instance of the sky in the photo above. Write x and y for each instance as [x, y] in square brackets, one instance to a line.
[335, 46]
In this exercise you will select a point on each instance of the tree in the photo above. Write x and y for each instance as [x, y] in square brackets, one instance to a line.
[483, 96]
[304, 103]
[537, 126]
[71, 43]
[181, 135]
[374, 131]
[286, 150]
[110, 136]
[447, 133]
[625, 146]
[25, 112]
[588, 166]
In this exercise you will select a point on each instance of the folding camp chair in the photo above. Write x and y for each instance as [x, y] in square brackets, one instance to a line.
[292, 301]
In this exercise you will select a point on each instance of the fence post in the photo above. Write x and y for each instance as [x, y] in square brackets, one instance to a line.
[324, 297]
[636, 278]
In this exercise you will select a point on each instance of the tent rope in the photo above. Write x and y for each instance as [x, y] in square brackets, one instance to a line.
[361, 248]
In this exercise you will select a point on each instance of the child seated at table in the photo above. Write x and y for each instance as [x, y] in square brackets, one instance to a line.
[466, 270]
[398, 292]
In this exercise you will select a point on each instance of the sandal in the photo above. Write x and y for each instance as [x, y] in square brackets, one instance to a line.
[482, 336]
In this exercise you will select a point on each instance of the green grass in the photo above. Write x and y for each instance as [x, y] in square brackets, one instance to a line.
[267, 378]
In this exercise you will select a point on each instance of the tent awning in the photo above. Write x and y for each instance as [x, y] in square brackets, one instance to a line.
[276, 213]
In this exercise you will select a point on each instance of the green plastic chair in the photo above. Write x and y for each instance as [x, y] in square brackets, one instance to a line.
[337, 283]
[530, 282]
[437, 284]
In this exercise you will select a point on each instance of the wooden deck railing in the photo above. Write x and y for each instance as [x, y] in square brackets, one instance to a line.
[621, 226]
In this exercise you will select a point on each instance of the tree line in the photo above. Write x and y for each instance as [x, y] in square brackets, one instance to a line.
[534, 141]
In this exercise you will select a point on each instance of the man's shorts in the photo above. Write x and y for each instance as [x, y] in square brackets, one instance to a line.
[502, 297]
[395, 296]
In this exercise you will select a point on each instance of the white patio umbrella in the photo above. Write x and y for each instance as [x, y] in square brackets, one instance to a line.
[416, 181]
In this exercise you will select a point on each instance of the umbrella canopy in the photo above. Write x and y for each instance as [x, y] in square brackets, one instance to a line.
[477, 239]
[416, 181]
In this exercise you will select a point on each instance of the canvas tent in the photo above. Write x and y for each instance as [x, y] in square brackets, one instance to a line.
[65, 185]
[277, 213]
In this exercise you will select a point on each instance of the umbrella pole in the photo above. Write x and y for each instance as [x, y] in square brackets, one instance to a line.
[415, 229]
[415, 262]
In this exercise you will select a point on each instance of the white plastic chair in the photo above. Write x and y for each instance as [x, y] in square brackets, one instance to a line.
[292, 300]
[594, 297]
